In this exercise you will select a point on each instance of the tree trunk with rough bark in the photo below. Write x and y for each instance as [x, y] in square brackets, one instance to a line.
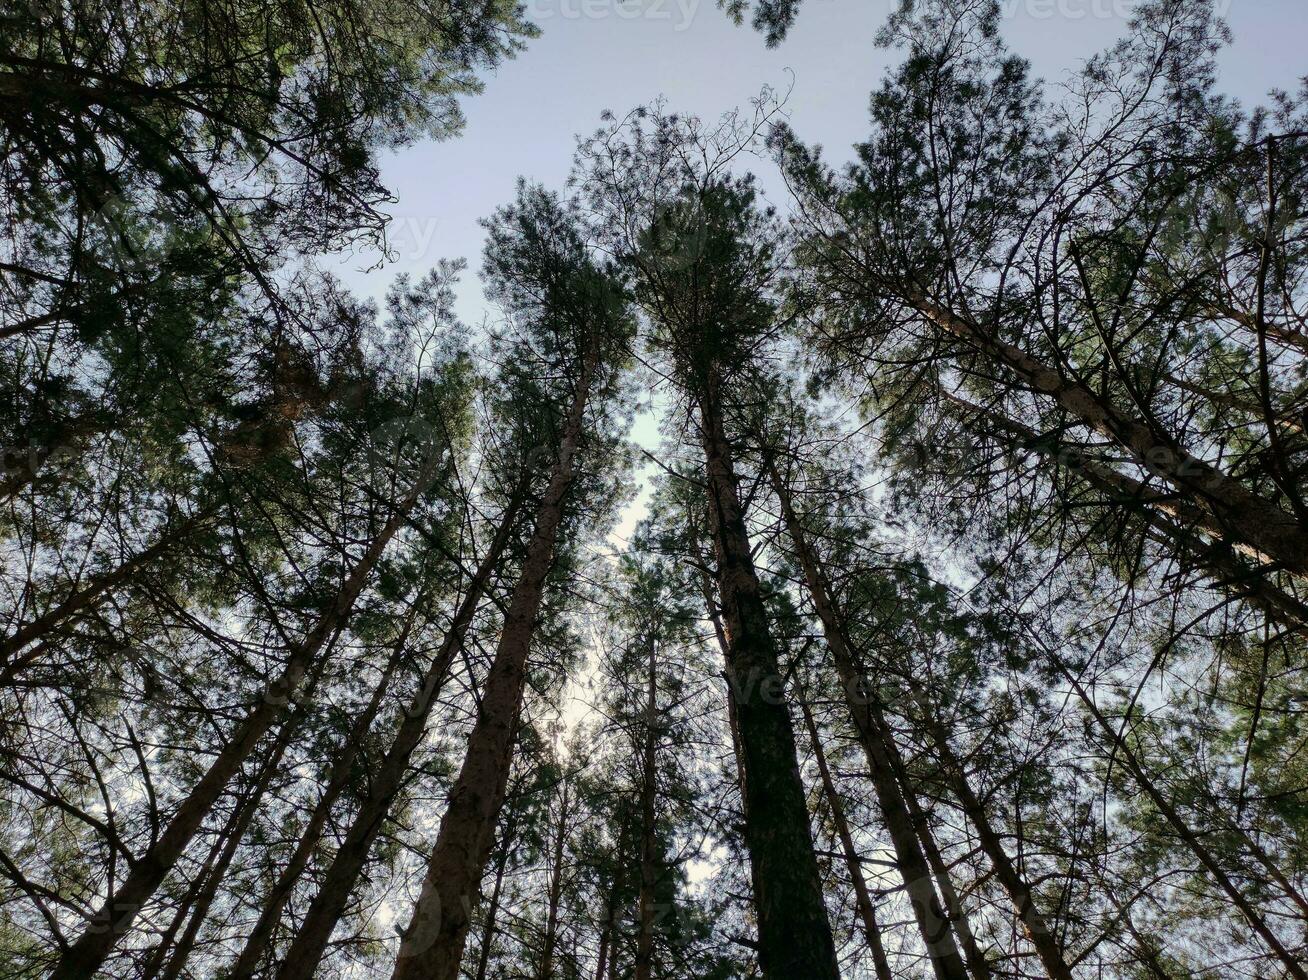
[862, 894]
[306, 950]
[874, 736]
[648, 816]
[258, 943]
[1242, 517]
[433, 941]
[794, 933]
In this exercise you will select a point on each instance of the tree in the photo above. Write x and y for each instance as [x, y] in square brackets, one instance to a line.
[703, 261]
[574, 318]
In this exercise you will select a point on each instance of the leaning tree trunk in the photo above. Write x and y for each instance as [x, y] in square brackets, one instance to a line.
[972, 953]
[1034, 924]
[794, 933]
[862, 894]
[1172, 522]
[89, 595]
[310, 942]
[432, 944]
[114, 918]
[1243, 518]
[874, 736]
[259, 942]
[185, 945]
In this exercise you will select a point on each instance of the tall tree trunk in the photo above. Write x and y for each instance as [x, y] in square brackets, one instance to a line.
[874, 736]
[972, 953]
[1034, 925]
[157, 958]
[719, 631]
[432, 945]
[794, 932]
[546, 971]
[648, 815]
[862, 894]
[310, 942]
[114, 918]
[186, 944]
[1243, 517]
[608, 951]
[258, 943]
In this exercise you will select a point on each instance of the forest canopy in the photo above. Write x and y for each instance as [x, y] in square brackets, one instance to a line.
[957, 627]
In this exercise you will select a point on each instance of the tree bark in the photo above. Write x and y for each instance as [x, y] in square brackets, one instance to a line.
[862, 894]
[1037, 929]
[794, 932]
[972, 953]
[874, 735]
[433, 942]
[1170, 519]
[114, 918]
[219, 871]
[310, 942]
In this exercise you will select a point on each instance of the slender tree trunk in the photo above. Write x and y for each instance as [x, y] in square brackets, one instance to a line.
[1034, 925]
[258, 943]
[310, 942]
[205, 900]
[603, 958]
[862, 894]
[1192, 838]
[1243, 517]
[607, 947]
[555, 893]
[89, 595]
[648, 815]
[155, 962]
[794, 934]
[874, 736]
[432, 945]
[719, 631]
[85, 956]
[493, 909]
[972, 952]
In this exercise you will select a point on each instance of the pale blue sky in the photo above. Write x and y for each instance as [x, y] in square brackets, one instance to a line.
[602, 54]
